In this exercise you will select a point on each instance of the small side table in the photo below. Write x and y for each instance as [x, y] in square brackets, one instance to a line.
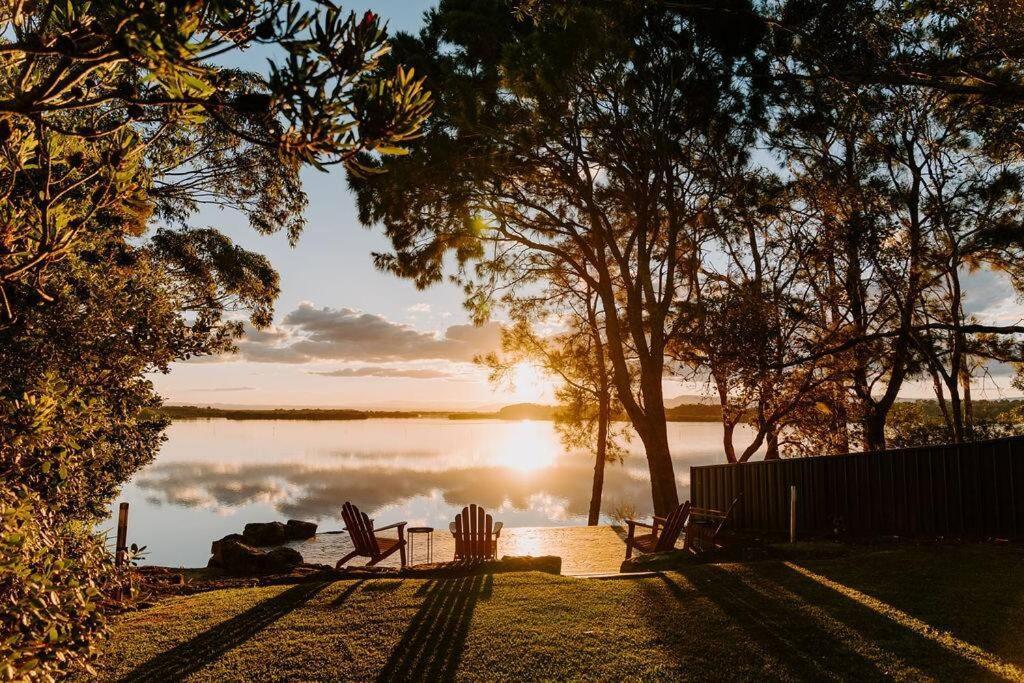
[415, 531]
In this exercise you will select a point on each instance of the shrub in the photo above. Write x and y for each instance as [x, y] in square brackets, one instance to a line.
[52, 579]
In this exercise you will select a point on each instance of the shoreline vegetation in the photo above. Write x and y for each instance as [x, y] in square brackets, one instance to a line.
[519, 411]
[684, 412]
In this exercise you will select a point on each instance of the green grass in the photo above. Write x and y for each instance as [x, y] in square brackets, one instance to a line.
[954, 612]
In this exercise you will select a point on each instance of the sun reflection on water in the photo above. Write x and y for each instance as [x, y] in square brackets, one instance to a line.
[527, 446]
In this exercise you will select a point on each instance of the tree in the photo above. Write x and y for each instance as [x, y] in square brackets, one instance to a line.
[906, 188]
[116, 126]
[589, 145]
[107, 107]
[575, 355]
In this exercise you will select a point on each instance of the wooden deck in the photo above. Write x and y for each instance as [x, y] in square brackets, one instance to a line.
[584, 550]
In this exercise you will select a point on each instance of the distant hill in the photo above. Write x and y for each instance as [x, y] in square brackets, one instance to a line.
[518, 411]
[196, 412]
[690, 400]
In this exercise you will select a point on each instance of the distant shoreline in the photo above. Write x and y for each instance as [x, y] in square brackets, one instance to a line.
[522, 411]
[984, 409]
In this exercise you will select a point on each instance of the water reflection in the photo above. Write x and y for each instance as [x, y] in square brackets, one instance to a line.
[213, 476]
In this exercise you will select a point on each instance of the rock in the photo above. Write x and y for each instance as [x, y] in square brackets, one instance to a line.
[298, 530]
[216, 549]
[282, 559]
[552, 564]
[244, 560]
[265, 533]
[239, 558]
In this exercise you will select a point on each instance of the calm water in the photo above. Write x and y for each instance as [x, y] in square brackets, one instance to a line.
[214, 476]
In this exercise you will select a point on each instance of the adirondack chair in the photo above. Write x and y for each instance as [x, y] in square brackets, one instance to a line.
[476, 534]
[664, 532]
[365, 539]
[705, 526]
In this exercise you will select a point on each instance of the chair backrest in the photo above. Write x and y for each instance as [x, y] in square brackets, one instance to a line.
[728, 512]
[674, 524]
[473, 531]
[360, 528]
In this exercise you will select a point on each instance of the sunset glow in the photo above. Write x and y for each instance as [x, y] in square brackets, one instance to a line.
[529, 447]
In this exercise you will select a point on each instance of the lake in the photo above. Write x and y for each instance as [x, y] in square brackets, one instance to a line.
[213, 476]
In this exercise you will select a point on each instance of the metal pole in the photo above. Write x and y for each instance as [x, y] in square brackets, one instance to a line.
[792, 514]
[122, 535]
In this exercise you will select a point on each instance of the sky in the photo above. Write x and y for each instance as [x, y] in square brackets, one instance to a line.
[347, 335]
[369, 339]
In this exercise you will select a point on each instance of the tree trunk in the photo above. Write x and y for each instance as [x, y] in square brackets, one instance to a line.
[659, 461]
[772, 451]
[874, 430]
[965, 381]
[841, 416]
[594, 515]
[603, 416]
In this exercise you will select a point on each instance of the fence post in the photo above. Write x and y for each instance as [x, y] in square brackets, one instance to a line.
[122, 535]
[792, 513]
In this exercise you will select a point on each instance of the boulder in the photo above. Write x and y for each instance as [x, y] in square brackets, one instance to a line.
[282, 559]
[235, 557]
[216, 549]
[298, 530]
[265, 533]
[238, 558]
[552, 564]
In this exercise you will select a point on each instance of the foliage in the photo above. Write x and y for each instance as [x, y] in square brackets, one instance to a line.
[117, 116]
[919, 423]
[554, 159]
[51, 589]
[76, 418]
[822, 281]
[117, 125]
[110, 111]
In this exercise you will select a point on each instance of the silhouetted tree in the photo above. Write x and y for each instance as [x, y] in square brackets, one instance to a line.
[591, 144]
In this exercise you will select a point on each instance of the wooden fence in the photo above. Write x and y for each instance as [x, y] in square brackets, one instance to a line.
[972, 489]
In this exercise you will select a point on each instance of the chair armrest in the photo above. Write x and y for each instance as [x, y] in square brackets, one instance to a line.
[497, 529]
[633, 522]
[391, 526]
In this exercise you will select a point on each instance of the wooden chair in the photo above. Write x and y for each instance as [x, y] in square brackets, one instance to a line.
[705, 526]
[476, 535]
[664, 532]
[365, 539]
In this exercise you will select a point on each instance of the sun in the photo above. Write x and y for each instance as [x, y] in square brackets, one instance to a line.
[529, 384]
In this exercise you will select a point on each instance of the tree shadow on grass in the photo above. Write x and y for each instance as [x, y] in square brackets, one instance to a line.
[812, 632]
[771, 625]
[432, 645]
[936, 653]
[209, 646]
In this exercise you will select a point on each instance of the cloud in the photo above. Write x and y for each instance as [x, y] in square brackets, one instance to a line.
[419, 308]
[311, 334]
[304, 492]
[380, 371]
[986, 290]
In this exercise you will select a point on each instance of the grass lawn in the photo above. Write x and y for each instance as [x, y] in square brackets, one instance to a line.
[949, 612]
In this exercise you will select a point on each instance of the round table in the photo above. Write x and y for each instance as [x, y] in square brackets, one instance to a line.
[427, 531]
